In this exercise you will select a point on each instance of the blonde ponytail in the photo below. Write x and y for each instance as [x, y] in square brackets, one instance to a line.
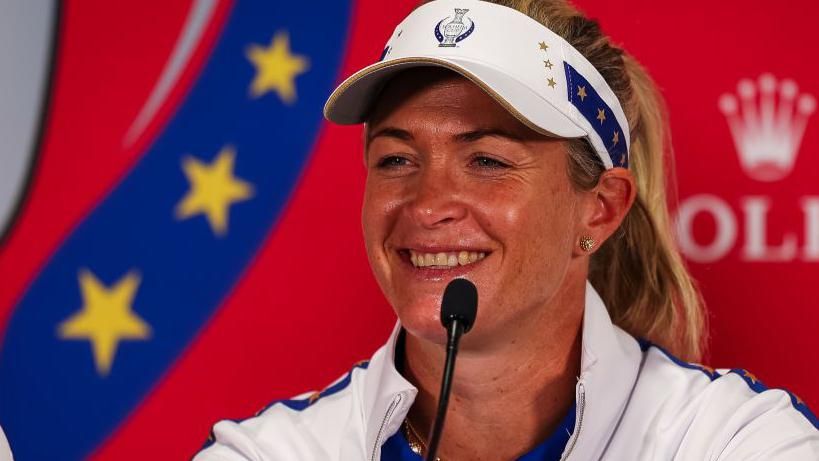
[640, 272]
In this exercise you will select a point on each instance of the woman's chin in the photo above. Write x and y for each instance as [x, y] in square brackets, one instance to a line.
[423, 322]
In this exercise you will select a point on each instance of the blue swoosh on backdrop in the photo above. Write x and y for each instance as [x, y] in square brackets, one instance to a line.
[53, 404]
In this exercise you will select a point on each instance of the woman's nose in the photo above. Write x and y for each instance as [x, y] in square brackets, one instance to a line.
[437, 200]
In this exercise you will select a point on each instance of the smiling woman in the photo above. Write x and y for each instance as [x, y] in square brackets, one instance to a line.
[451, 172]
[532, 164]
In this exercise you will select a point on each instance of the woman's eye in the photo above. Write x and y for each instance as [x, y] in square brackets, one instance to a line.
[392, 161]
[488, 162]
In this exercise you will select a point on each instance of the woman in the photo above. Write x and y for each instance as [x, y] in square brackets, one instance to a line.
[516, 147]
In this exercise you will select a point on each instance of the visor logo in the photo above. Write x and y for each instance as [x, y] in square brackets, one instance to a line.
[451, 33]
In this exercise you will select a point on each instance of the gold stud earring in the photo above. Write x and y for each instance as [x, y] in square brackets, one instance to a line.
[587, 243]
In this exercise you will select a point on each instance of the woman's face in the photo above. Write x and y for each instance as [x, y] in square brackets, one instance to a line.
[457, 187]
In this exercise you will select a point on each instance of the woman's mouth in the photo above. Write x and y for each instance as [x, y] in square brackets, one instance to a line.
[444, 260]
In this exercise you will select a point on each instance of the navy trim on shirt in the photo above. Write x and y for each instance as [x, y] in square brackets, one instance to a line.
[397, 448]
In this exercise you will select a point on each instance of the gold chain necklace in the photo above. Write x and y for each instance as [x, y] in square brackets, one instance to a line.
[416, 443]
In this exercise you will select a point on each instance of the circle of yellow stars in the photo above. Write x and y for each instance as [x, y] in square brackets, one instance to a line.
[107, 317]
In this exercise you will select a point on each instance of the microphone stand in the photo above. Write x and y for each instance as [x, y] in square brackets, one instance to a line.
[455, 329]
[459, 307]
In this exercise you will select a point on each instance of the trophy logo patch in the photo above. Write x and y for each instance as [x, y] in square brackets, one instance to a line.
[454, 31]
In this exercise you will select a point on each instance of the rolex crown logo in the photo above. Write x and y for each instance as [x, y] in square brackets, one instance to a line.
[767, 119]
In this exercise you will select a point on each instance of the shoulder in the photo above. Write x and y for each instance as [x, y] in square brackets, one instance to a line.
[689, 410]
[313, 425]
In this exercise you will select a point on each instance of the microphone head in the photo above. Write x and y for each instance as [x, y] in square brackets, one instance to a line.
[460, 302]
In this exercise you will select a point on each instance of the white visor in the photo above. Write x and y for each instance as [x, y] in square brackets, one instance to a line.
[531, 71]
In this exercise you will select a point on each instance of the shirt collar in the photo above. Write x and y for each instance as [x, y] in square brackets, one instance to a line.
[609, 364]
[387, 397]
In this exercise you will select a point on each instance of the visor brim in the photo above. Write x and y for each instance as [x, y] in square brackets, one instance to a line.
[351, 102]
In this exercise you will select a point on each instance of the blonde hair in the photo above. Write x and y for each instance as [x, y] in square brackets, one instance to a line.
[638, 272]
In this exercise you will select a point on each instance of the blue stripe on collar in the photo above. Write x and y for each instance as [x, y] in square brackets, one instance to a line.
[752, 381]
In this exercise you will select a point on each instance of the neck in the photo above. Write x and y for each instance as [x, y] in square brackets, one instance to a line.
[505, 399]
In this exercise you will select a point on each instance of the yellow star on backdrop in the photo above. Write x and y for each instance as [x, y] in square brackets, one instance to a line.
[276, 68]
[616, 137]
[548, 64]
[581, 92]
[213, 189]
[552, 83]
[543, 46]
[601, 115]
[106, 317]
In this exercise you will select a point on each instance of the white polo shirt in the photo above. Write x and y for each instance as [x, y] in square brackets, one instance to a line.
[634, 401]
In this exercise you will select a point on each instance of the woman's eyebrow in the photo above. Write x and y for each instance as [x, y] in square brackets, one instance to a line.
[475, 135]
[468, 136]
[390, 132]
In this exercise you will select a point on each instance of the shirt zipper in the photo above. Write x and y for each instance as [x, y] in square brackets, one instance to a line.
[390, 411]
[581, 405]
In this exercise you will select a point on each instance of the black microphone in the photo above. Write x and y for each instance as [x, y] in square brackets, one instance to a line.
[458, 311]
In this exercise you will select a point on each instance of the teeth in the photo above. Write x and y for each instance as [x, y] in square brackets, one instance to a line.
[442, 260]
[452, 260]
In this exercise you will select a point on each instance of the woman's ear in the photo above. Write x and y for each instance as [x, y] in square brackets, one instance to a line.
[606, 206]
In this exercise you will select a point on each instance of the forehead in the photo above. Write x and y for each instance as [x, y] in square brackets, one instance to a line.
[435, 96]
